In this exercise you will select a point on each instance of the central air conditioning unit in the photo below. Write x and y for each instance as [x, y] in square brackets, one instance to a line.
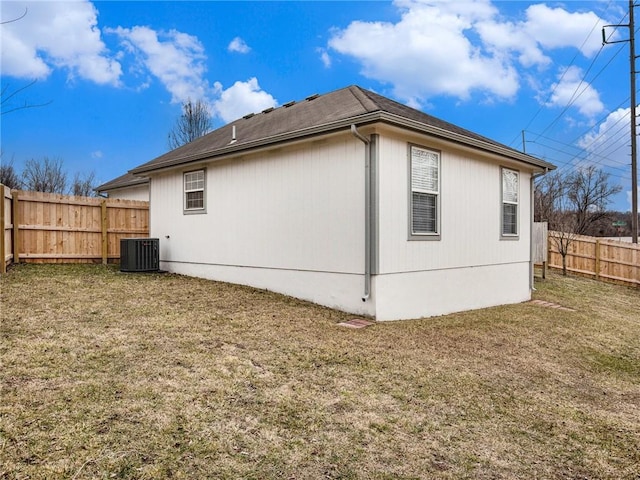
[139, 255]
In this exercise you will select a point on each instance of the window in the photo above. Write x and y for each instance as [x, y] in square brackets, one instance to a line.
[425, 193]
[510, 194]
[194, 191]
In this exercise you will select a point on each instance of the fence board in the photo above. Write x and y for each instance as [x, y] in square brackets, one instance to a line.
[603, 259]
[539, 247]
[51, 228]
[6, 245]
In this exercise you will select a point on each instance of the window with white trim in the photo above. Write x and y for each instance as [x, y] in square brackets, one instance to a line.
[510, 197]
[425, 192]
[194, 191]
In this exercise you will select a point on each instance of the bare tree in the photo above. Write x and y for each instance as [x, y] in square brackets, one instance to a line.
[194, 122]
[7, 96]
[548, 193]
[8, 103]
[83, 185]
[45, 175]
[572, 203]
[8, 175]
[589, 193]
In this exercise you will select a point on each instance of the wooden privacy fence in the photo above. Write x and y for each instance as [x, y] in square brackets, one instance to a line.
[50, 228]
[607, 260]
[539, 249]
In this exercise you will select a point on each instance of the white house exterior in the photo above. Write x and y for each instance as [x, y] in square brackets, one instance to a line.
[352, 201]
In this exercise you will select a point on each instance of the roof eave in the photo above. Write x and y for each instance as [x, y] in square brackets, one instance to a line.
[110, 186]
[366, 118]
[466, 141]
[263, 142]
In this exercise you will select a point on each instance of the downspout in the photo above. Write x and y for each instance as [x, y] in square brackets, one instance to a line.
[532, 213]
[367, 212]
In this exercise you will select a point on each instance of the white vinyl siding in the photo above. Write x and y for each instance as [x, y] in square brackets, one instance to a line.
[287, 210]
[510, 197]
[194, 191]
[470, 215]
[425, 192]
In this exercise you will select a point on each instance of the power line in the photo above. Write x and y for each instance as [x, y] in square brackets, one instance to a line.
[610, 132]
[570, 162]
[600, 120]
[572, 100]
[575, 97]
[583, 151]
[634, 151]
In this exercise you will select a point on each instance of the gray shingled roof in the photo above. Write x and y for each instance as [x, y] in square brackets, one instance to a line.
[126, 180]
[321, 114]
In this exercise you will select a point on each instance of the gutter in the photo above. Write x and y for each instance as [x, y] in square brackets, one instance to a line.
[371, 117]
[367, 211]
[462, 139]
[532, 208]
[231, 150]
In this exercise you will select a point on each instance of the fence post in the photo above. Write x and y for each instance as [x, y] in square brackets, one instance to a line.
[3, 255]
[635, 253]
[105, 242]
[15, 218]
[597, 259]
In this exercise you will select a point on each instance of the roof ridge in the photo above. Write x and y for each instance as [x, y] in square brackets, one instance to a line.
[367, 102]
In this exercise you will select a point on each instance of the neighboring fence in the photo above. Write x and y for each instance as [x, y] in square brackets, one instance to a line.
[50, 228]
[539, 246]
[602, 259]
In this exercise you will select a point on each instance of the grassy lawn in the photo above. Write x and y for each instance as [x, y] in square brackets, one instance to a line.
[111, 375]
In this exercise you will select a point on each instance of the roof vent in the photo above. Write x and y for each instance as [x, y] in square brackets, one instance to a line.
[267, 110]
[249, 115]
[233, 134]
[312, 97]
[288, 104]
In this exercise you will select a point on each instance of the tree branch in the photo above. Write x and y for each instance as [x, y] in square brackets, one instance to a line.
[4, 98]
[16, 19]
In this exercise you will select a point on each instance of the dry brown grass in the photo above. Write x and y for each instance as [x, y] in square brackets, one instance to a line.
[110, 375]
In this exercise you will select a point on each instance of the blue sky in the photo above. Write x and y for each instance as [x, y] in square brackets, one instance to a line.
[116, 73]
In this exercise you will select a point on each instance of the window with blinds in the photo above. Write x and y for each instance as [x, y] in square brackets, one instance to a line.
[510, 197]
[425, 191]
[194, 191]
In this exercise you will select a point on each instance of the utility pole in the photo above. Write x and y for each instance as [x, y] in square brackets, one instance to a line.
[634, 153]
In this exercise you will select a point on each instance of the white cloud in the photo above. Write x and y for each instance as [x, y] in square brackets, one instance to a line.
[175, 58]
[324, 57]
[557, 28]
[410, 54]
[543, 29]
[457, 48]
[511, 38]
[178, 61]
[570, 89]
[238, 45]
[97, 154]
[66, 35]
[607, 145]
[240, 99]
[55, 35]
